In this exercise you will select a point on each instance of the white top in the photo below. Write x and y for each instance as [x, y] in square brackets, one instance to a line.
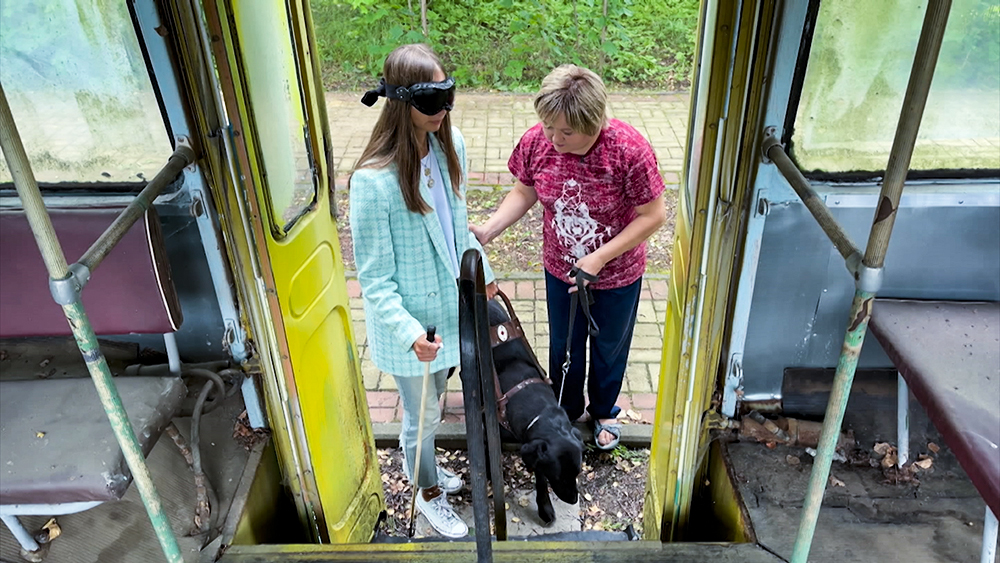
[441, 204]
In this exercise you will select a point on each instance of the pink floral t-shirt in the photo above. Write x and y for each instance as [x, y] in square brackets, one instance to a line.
[589, 199]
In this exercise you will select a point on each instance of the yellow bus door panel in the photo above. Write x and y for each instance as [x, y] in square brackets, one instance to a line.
[323, 387]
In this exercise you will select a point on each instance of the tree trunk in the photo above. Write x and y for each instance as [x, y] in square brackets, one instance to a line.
[604, 34]
[423, 17]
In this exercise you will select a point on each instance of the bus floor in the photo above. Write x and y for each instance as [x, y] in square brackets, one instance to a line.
[120, 532]
[868, 514]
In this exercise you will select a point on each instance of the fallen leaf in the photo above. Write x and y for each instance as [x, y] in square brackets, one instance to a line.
[890, 459]
[39, 434]
[634, 415]
[933, 447]
[882, 448]
[52, 529]
[792, 460]
[390, 511]
[515, 519]
[836, 482]
[588, 496]
[44, 362]
[924, 463]
[599, 526]
[524, 501]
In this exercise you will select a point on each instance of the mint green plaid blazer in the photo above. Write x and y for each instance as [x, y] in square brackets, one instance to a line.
[404, 268]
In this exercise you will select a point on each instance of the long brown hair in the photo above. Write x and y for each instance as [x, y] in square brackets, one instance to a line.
[394, 139]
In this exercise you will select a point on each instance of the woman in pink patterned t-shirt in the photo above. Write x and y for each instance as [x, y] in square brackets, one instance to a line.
[602, 195]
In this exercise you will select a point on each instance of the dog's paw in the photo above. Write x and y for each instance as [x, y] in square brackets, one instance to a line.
[547, 514]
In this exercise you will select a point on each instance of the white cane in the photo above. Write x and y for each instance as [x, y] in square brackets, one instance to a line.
[420, 436]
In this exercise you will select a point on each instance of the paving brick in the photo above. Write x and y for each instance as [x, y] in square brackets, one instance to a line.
[353, 288]
[382, 414]
[646, 313]
[356, 303]
[645, 356]
[525, 290]
[507, 287]
[454, 400]
[383, 399]
[370, 376]
[646, 329]
[637, 378]
[646, 342]
[644, 400]
[387, 383]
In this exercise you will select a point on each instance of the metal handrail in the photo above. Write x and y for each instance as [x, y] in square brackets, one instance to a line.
[772, 149]
[59, 271]
[921, 75]
[181, 157]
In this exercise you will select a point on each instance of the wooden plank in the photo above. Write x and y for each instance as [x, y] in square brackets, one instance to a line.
[514, 552]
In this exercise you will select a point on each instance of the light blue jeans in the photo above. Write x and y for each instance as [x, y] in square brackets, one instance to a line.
[410, 390]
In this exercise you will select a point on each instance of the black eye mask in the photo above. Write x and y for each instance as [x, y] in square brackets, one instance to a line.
[428, 97]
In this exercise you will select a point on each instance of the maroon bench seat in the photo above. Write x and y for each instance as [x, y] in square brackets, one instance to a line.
[58, 446]
[949, 355]
[130, 292]
[56, 443]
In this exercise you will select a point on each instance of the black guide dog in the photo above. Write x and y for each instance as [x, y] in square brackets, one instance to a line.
[550, 446]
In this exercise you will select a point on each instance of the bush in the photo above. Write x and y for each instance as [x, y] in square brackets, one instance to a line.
[510, 45]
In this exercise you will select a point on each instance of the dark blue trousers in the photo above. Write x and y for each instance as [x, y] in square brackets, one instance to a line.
[614, 311]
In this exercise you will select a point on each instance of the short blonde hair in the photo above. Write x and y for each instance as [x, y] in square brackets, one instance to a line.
[575, 92]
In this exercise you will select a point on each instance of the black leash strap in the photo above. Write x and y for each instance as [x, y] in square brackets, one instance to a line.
[582, 291]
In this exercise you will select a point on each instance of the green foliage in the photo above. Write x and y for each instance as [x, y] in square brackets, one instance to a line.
[970, 55]
[511, 45]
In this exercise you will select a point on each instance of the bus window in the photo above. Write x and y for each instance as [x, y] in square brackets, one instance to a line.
[859, 62]
[79, 90]
[273, 83]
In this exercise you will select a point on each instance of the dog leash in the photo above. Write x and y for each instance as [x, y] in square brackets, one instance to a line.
[586, 301]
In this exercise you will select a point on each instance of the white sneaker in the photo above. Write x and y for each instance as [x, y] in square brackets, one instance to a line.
[442, 516]
[448, 481]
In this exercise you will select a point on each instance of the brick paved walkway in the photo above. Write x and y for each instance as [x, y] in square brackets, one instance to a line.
[492, 124]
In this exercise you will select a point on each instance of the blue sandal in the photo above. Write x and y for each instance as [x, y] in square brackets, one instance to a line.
[614, 428]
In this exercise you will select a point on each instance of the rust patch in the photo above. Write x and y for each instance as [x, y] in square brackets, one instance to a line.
[863, 313]
[885, 209]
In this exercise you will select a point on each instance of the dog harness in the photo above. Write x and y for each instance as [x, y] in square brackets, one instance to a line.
[501, 334]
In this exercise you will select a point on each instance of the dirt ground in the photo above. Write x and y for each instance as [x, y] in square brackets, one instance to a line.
[519, 248]
[612, 487]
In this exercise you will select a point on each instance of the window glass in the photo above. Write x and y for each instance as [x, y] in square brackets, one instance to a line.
[79, 92]
[859, 64]
[273, 83]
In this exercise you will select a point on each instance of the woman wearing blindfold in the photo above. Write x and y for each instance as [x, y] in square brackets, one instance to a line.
[410, 227]
[601, 190]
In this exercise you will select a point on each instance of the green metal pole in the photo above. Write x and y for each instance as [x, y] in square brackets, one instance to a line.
[861, 311]
[914, 101]
[83, 332]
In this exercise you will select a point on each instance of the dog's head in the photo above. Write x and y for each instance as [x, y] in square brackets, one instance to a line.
[559, 456]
